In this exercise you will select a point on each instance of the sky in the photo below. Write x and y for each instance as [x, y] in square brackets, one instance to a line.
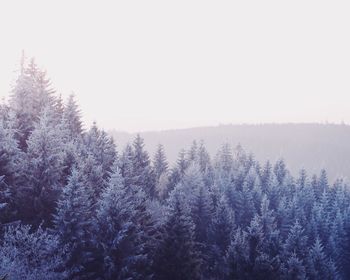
[155, 65]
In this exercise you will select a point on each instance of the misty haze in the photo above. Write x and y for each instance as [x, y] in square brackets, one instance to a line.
[185, 140]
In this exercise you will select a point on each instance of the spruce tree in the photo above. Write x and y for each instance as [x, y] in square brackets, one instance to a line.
[143, 174]
[31, 94]
[73, 223]
[72, 118]
[160, 163]
[28, 254]
[43, 167]
[177, 256]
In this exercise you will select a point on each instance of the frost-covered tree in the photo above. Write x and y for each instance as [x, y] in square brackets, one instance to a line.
[193, 152]
[177, 172]
[117, 231]
[318, 265]
[28, 254]
[160, 163]
[92, 176]
[101, 146]
[143, 175]
[126, 166]
[73, 224]
[31, 94]
[202, 213]
[177, 256]
[220, 236]
[224, 158]
[10, 154]
[230, 218]
[238, 264]
[124, 231]
[43, 170]
[296, 242]
[280, 171]
[293, 269]
[72, 118]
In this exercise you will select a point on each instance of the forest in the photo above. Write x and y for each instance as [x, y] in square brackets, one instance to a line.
[73, 206]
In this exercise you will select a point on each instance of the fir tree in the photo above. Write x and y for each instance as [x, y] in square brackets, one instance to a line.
[143, 175]
[28, 254]
[117, 233]
[177, 255]
[73, 223]
[72, 118]
[32, 94]
[44, 168]
[160, 163]
[319, 267]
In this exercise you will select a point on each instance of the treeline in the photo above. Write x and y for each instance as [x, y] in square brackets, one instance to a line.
[71, 207]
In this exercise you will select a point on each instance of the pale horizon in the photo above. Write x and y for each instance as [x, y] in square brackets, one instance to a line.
[140, 66]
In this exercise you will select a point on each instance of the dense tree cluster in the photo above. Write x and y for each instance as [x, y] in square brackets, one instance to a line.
[71, 207]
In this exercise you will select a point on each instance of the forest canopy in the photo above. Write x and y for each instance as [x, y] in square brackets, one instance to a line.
[72, 207]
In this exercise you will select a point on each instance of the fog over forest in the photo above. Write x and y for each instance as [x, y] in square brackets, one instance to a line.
[310, 146]
[74, 206]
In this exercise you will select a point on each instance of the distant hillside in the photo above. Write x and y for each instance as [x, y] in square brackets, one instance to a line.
[312, 146]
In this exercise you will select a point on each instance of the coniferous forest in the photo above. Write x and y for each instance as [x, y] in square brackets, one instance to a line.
[73, 206]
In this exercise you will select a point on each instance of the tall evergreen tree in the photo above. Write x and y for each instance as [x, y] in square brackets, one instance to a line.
[10, 154]
[73, 223]
[177, 257]
[142, 171]
[126, 165]
[28, 254]
[31, 94]
[319, 267]
[44, 168]
[160, 163]
[101, 147]
[72, 118]
[117, 231]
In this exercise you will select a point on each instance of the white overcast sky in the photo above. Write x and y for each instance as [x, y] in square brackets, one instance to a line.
[142, 65]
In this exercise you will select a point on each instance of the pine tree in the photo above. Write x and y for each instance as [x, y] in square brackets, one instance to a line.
[202, 212]
[59, 109]
[44, 168]
[101, 147]
[272, 246]
[6, 198]
[204, 162]
[10, 154]
[193, 152]
[73, 223]
[280, 171]
[323, 184]
[224, 158]
[28, 254]
[220, 232]
[142, 172]
[72, 118]
[296, 242]
[265, 175]
[32, 94]
[319, 267]
[160, 163]
[92, 176]
[178, 171]
[238, 262]
[190, 185]
[294, 269]
[117, 232]
[11, 167]
[177, 257]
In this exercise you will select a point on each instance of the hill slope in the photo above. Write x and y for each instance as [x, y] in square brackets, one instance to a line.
[312, 146]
